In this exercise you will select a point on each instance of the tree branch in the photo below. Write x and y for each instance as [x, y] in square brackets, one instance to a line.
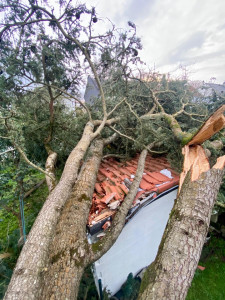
[7, 151]
[29, 162]
[120, 217]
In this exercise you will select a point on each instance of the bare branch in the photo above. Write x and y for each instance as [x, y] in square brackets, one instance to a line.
[71, 96]
[108, 122]
[29, 162]
[7, 151]
[220, 204]
[116, 106]
[114, 155]
[110, 139]
[148, 148]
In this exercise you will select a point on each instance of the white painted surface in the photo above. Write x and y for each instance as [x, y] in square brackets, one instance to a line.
[137, 244]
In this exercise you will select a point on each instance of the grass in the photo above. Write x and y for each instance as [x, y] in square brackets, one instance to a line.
[209, 284]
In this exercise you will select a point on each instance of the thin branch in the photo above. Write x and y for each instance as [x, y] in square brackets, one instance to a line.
[107, 123]
[220, 204]
[110, 139]
[29, 162]
[113, 155]
[148, 148]
[116, 106]
[7, 151]
[134, 113]
[4, 137]
[71, 96]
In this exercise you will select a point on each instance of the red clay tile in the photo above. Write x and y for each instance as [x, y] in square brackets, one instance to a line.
[98, 188]
[124, 188]
[110, 180]
[146, 185]
[100, 177]
[160, 177]
[139, 194]
[150, 179]
[108, 198]
[106, 225]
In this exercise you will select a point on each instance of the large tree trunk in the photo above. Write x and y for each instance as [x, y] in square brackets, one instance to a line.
[170, 275]
[25, 282]
[68, 250]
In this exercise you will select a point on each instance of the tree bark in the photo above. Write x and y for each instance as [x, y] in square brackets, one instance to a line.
[25, 281]
[50, 169]
[69, 248]
[170, 275]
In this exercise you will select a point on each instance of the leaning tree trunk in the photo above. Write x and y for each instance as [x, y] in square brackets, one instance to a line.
[25, 282]
[69, 248]
[170, 275]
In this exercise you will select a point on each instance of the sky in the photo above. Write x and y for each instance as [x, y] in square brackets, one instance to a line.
[179, 36]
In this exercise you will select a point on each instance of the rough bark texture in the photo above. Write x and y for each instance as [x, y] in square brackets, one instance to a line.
[50, 168]
[170, 275]
[69, 248]
[25, 282]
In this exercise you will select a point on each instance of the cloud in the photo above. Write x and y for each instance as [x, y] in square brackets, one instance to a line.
[182, 52]
[174, 32]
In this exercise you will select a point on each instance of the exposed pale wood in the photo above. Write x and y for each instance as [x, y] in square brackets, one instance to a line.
[220, 163]
[195, 160]
[200, 164]
[213, 125]
[105, 214]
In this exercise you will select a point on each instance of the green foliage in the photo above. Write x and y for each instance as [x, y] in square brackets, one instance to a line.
[9, 233]
[87, 289]
[130, 289]
[209, 284]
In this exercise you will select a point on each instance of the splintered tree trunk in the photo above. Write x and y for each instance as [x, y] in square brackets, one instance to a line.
[170, 275]
[26, 279]
[69, 248]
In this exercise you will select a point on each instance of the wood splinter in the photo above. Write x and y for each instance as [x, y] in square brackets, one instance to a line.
[195, 158]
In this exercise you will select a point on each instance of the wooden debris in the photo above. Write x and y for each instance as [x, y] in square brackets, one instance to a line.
[201, 268]
[220, 163]
[195, 158]
[213, 125]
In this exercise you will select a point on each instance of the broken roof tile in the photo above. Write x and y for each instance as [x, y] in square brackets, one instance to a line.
[110, 181]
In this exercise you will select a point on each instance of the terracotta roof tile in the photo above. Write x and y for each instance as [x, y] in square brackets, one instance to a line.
[110, 185]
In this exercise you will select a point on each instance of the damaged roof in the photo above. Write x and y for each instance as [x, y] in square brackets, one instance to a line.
[114, 179]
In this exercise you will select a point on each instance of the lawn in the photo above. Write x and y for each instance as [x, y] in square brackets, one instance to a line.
[209, 284]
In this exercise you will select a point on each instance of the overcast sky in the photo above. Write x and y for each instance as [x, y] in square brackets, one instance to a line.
[174, 33]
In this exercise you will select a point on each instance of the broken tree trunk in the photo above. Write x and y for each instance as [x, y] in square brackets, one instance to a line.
[25, 281]
[170, 275]
[68, 250]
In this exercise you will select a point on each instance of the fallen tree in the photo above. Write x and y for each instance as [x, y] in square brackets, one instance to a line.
[63, 216]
